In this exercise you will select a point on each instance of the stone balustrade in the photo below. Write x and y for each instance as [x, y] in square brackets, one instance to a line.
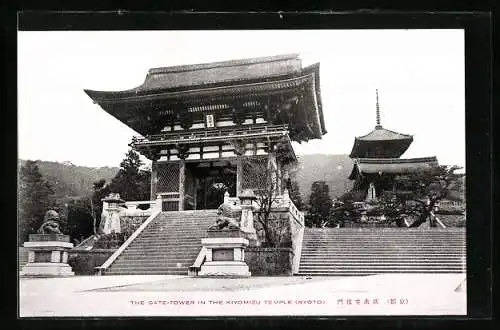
[139, 207]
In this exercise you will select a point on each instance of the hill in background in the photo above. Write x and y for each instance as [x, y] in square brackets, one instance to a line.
[333, 169]
[70, 181]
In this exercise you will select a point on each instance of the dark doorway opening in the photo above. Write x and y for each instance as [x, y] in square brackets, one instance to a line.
[210, 182]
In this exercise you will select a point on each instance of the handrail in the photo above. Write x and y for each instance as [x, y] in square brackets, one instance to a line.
[200, 259]
[202, 133]
[101, 269]
[439, 222]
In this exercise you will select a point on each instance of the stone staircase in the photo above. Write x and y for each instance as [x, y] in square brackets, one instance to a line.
[368, 251]
[167, 246]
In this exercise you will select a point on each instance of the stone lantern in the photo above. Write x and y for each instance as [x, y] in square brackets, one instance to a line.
[247, 198]
[111, 214]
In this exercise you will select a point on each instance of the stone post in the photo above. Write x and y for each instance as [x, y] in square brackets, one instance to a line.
[247, 198]
[154, 179]
[239, 174]
[158, 203]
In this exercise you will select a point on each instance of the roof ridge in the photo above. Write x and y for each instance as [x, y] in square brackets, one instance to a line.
[405, 136]
[396, 160]
[210, 65]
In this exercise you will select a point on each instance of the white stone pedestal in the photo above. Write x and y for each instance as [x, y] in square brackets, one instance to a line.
[47, 257]
[225, 257]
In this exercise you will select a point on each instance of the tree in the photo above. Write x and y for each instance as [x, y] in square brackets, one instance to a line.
[264, 179]
[427, 189]
[320, 204]
[132, 182]
[35, 197]
[267, 181]
[80, 219]
[416, 195]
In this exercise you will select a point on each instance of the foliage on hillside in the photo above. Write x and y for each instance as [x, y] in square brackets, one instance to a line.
[334, 170]
[34, 198]
[70, 181]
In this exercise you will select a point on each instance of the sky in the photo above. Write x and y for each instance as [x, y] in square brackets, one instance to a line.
[420, 75]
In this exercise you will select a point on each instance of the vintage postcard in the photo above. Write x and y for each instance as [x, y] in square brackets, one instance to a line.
[242, 173]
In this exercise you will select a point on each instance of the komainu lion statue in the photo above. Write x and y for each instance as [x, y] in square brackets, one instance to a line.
[224, 220]
[50, 223]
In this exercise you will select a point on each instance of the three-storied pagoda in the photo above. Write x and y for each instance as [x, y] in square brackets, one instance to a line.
[203, 125]
[377, 159]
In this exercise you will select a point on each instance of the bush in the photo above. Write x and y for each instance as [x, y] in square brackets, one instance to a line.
[84, 262]
[110, 241]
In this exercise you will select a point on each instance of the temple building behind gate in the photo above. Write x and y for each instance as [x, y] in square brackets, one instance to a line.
[214, 128]
[377, 160]
[217, 133]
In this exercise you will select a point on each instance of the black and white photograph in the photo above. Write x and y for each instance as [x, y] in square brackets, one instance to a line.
[241, 173]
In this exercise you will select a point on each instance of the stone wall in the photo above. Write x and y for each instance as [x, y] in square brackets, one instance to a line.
[279, 225]
[288, 231]
[83, 262]
[269, 261]
[130, 223]
[297, 236]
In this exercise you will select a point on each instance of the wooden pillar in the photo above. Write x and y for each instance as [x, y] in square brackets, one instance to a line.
[279, 178]
[154, 179]
[239, 174]
[182, 179]
[239, 150]
[195, 193]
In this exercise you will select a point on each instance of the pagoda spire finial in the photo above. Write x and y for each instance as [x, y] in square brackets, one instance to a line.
[378, 112]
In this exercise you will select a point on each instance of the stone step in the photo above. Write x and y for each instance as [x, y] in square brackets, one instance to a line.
[387, 239]
[369, 246]
[167, 243]
[162, 265]
[387, 236]
[391, 239]
[329, 251]
[357, 251]
[173, 237]
[147, 268]
[171, 240]
[150, 272]
[379, 260]
[386, 256]
[410, 263]
[140, 253]
[366, 273]
[373, 268]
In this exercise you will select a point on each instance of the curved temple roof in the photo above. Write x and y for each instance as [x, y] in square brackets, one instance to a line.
[381, 142]
[202, 84]
[391, 165]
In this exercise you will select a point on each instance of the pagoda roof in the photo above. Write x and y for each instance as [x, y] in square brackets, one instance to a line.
[383, 134]
[391, 165]
[391, 144]
[200, 85]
